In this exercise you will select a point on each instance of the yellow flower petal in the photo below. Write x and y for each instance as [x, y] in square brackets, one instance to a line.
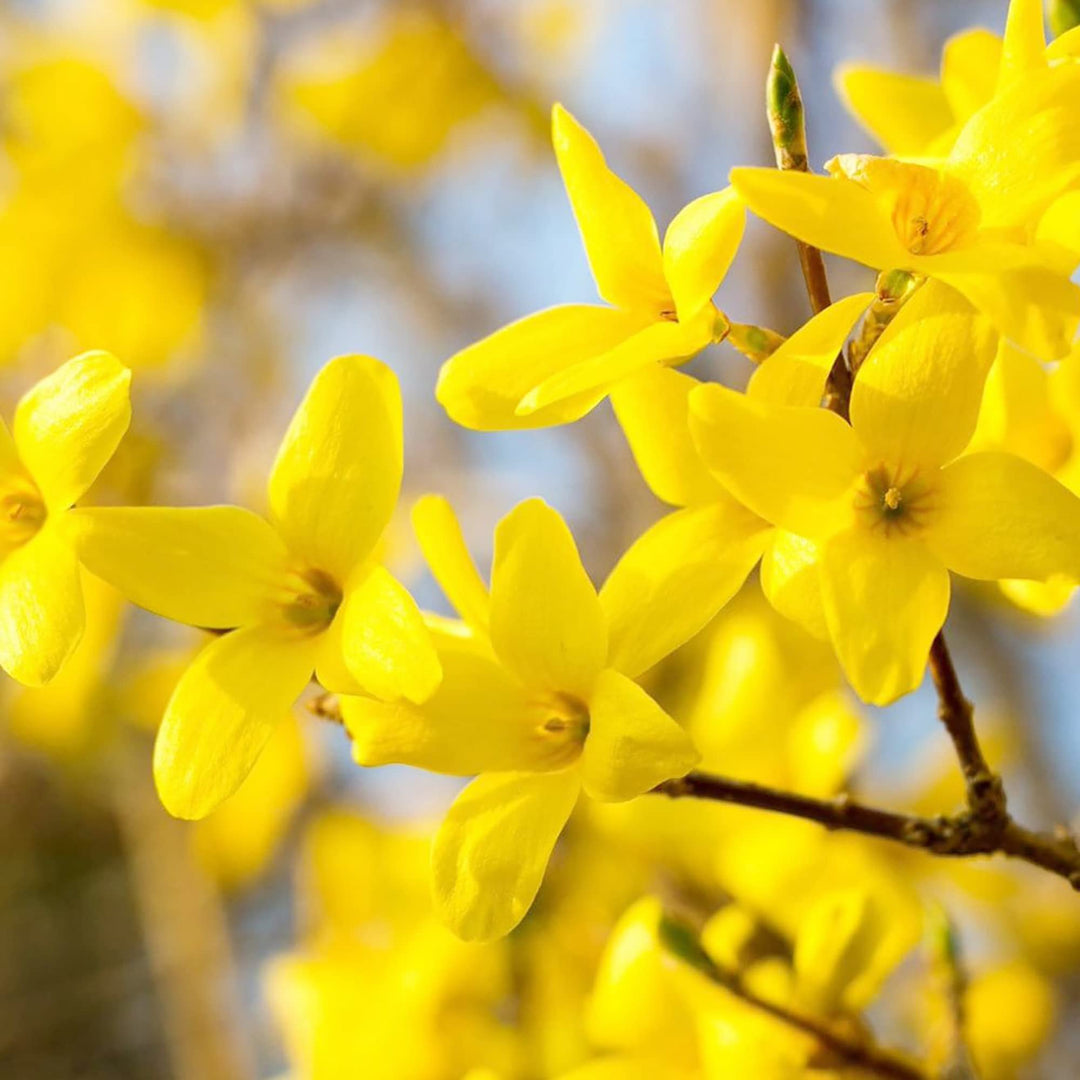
[439, 535]
[916, 397]
[617, 228]
[905, 113]
[699, 246]
[478, 720]
[1058, 232]
[379, 635]
[210, 566]
[834, 214]
[653, 410]
[632, 743]
[661, 341]
[795, 374]
[792, 466]
[335, 482]
[222, 712]
[546, 621]
[1022, 150]
[1035, 307]
[481, 386]
[69, 424]
[1023, 50]
[490, 853]
[1019, 414]
[676, 577]
[41, 607]
[969, 70]
[789, 578]
[885, 599]
[1002, 517]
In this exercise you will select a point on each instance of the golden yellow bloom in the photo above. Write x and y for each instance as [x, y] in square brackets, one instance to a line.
[972, 219]
[538, 696]
[302, 594]
[888, 506]
[66, 428]
[555, 366]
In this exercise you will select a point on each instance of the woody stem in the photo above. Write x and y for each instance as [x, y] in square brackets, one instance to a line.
[966, 833]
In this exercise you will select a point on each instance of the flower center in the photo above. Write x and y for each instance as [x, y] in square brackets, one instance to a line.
[932, 212]
[311, 600]
[559, 724]
[22, 513]
[899, 504]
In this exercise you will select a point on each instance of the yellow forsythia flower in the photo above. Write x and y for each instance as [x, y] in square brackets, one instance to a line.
[300, 594]
[66, 428]
[557, 365]
[889, 508]
[969, 218]
[536, 698]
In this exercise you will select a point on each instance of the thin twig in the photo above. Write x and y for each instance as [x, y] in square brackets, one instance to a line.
[683, 942]
[958, 835]
[985, 793]
[787, 123]
[985, 826]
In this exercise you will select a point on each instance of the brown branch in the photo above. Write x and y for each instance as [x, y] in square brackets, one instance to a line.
[985, 793]
[959, 835]
[985, 827]
[683, 942]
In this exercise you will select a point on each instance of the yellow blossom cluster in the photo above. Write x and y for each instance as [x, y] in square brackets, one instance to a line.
[901, 440]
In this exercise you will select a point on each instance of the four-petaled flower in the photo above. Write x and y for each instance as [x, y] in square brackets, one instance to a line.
[66, 428]
[555, 366]
[889, 501]
[538, 696]
[301, 593]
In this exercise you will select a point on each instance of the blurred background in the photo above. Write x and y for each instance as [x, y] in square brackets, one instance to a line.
[228, 193]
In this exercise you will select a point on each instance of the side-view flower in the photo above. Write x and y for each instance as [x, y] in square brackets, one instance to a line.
[303, 592]
[557, 365]
[66, 429]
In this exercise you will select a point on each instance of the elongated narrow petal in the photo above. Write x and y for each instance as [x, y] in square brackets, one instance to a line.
[617, 228]
[1035, 307]
[1023, 50]
[790, 580]
[833, 214]
[1002, 517]
[699, 247]
[885, 599]
[792, 466]
[547, 624]
[41, 607]
[379, 639]
[632, 744]
[653, 409]
[1022, 150]
[69, 424]
[661, 341]
[482, 386]
[916, 397]
[905, 113]
[439, 535]
[796, 373]
[222, 712]
[969, 70]
[210, 566]
[490, 853]
[337, 475]
[676, 577]
[480, 719]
